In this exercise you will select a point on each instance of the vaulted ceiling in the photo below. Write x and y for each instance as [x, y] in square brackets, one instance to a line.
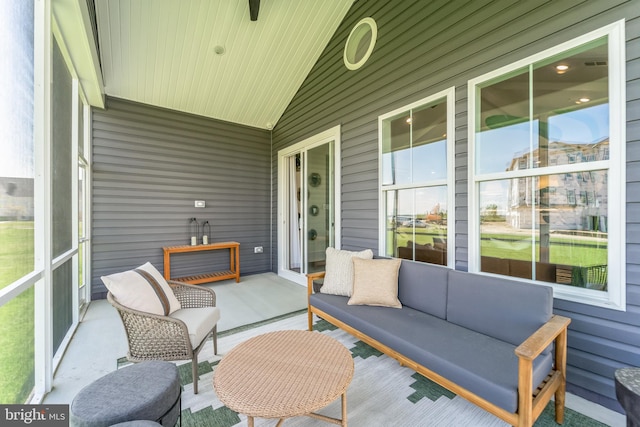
[208, 58]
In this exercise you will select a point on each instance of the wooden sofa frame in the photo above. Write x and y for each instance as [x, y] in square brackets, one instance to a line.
[530, 406]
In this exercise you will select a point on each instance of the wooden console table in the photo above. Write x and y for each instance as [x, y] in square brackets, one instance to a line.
[234, 262]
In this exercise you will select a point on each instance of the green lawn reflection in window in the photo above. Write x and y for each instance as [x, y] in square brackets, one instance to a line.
[538, 122]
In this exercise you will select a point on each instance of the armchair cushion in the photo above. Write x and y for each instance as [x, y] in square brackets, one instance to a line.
[142, 289]
[199, 322]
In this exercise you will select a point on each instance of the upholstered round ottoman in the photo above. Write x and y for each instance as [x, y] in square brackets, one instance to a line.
[142, 391]
[628, 393]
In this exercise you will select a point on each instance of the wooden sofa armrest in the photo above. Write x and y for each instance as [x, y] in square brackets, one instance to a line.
[310, 278]
[530, 408]
[540, 339]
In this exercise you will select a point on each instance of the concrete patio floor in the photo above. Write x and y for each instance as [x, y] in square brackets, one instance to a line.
[100, 337]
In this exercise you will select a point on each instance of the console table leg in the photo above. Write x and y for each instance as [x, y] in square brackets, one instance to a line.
[237, 264]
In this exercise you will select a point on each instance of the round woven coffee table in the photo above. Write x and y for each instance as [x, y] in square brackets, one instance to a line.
[285, 374]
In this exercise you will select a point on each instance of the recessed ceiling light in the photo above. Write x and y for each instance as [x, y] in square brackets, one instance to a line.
[562, 67]
[409, 120]
[585, 99]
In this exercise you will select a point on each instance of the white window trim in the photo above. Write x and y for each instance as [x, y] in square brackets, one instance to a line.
[615, 297]
[85, 295]
[449, 95]
[42, 62]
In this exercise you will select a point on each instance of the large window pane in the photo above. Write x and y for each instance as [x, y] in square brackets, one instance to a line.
[61, 155]
[17, 376]
[414, 145]
[417, 224]
[570, 104]
[62, 292]
[555, 112]
[503, 130]
[17, 366]
[549, 228]
[399, 215]
[396, 150]
[16, 141]
[429, 132]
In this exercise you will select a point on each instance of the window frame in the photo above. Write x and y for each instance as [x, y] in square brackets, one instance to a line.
[615, 296]
[448, 95]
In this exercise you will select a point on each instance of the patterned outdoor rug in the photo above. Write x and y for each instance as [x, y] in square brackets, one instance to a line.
[382, 393]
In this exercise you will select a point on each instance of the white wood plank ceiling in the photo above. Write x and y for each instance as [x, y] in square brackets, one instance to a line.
[163, 53]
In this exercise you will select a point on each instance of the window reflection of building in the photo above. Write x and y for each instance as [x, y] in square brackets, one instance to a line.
[576, 200]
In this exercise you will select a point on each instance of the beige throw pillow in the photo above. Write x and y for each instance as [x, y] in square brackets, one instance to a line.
[376, 282]
[338, 278]
[143, 289]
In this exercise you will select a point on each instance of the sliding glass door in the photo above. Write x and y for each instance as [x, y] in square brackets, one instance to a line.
[319, 212]
[307, 205]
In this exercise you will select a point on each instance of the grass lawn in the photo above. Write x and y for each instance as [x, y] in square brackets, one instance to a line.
[17, 316]
[422, 237]
[562, 249]
[567, 250]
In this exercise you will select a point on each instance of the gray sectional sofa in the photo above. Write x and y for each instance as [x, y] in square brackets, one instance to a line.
[493, 341]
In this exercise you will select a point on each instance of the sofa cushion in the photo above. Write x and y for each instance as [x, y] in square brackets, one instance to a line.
[338, 278]
[375, 282]
[484, 365]
[143, 289]
[504, 309]
[423, 287]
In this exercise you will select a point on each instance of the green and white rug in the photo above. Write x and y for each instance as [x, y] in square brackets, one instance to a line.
[382, 393]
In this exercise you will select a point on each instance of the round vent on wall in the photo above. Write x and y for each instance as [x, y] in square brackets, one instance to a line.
[360, 43]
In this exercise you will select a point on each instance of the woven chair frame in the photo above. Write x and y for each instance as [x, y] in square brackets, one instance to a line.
[154, 337]
[192, 296]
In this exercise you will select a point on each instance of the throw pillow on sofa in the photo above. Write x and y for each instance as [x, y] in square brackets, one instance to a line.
[143, 289]
[375, 282]
[338, 278]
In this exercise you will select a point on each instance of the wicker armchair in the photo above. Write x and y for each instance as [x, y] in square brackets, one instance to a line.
[154, 337]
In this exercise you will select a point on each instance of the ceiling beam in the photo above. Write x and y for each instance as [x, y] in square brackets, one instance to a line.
[254, 7]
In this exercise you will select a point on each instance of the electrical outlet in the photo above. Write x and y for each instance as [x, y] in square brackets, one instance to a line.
[258, 250]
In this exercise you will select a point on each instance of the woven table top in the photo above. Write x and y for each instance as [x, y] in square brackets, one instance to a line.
[283, 374]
